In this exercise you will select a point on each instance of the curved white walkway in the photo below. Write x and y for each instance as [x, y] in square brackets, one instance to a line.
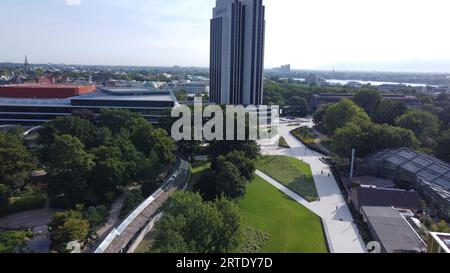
[342, 234]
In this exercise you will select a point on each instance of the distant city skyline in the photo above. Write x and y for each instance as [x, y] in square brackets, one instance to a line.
[385, 35]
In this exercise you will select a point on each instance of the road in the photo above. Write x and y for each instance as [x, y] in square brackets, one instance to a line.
[342, 234]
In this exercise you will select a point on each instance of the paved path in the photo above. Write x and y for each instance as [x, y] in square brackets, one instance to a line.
[342, 234]
[28, 219]
[114, 216]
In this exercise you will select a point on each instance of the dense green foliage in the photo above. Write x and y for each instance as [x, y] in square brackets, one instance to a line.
[191, 225]
[425, 125]
[89, 162]
[17, 162]
[66, 227]
[341, 113]
[11, 241]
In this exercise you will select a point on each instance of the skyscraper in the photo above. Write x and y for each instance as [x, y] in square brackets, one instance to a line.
[237, 52]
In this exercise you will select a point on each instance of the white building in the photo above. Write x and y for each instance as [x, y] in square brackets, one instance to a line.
[237, 52]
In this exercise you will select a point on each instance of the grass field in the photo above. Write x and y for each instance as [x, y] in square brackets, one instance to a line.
[292, 227]
[291, 172]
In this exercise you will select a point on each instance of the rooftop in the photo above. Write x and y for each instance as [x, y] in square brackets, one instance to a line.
[364, 196]
[393, 231]
[431, 170]
[125, 95]
[373, 181]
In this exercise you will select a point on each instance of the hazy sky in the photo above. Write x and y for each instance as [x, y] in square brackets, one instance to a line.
[405, 35]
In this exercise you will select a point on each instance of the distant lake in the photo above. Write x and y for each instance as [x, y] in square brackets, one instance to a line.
[374, 83]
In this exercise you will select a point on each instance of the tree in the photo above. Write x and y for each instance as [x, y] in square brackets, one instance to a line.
[337, 115]
[109, 172]
[443, 146]
[387, 111]
[230, 183]
[368, 99]
[67, 227]
[318, 116]
[121, 119]
[4, 196]
[244, 164]
[298, 106]
[425, 125]
[163, 145]
[75, 126]
[368, 138]
[191, 225]
[17, 162]
[69, 167]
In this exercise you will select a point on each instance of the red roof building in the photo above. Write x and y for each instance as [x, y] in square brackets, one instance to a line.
[45, 90]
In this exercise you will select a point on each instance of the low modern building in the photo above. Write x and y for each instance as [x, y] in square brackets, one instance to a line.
[30, 111]
[44, 90]
[391, 229]
[410, 169]
[323, 99]
[438, 242]
[376, 197]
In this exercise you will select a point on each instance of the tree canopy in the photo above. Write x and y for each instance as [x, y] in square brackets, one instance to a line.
[337, 115]
[191, 225]
[17, 162]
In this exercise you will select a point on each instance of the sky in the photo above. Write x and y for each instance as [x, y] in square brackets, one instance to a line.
[390, 35]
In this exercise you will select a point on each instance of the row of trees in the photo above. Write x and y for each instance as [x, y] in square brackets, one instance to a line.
[429, 123]
[89, 161]
[351, 127]
[370, 123]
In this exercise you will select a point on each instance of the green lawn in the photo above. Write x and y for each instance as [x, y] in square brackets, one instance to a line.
[291, 172]
[292, 227]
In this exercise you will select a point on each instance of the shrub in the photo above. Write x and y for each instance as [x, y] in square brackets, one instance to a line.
[24, 204]
[96, 215]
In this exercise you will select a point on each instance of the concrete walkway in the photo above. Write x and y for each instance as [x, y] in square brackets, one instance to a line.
[342, 234]
[114, 216]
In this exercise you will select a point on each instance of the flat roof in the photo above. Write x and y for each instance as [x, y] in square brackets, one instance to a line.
[99, 95]
[392, 229]
[430, 169]
[164, 96]
[46, 86]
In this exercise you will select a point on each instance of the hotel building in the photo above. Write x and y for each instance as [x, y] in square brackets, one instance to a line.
[237, 52]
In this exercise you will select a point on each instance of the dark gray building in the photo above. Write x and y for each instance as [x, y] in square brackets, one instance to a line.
[237, 52]
[429, 176]
[391, 229]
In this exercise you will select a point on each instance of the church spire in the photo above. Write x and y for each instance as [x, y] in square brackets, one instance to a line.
[27, 65]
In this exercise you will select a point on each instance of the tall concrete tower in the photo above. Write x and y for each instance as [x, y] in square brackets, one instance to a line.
[237, 52]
